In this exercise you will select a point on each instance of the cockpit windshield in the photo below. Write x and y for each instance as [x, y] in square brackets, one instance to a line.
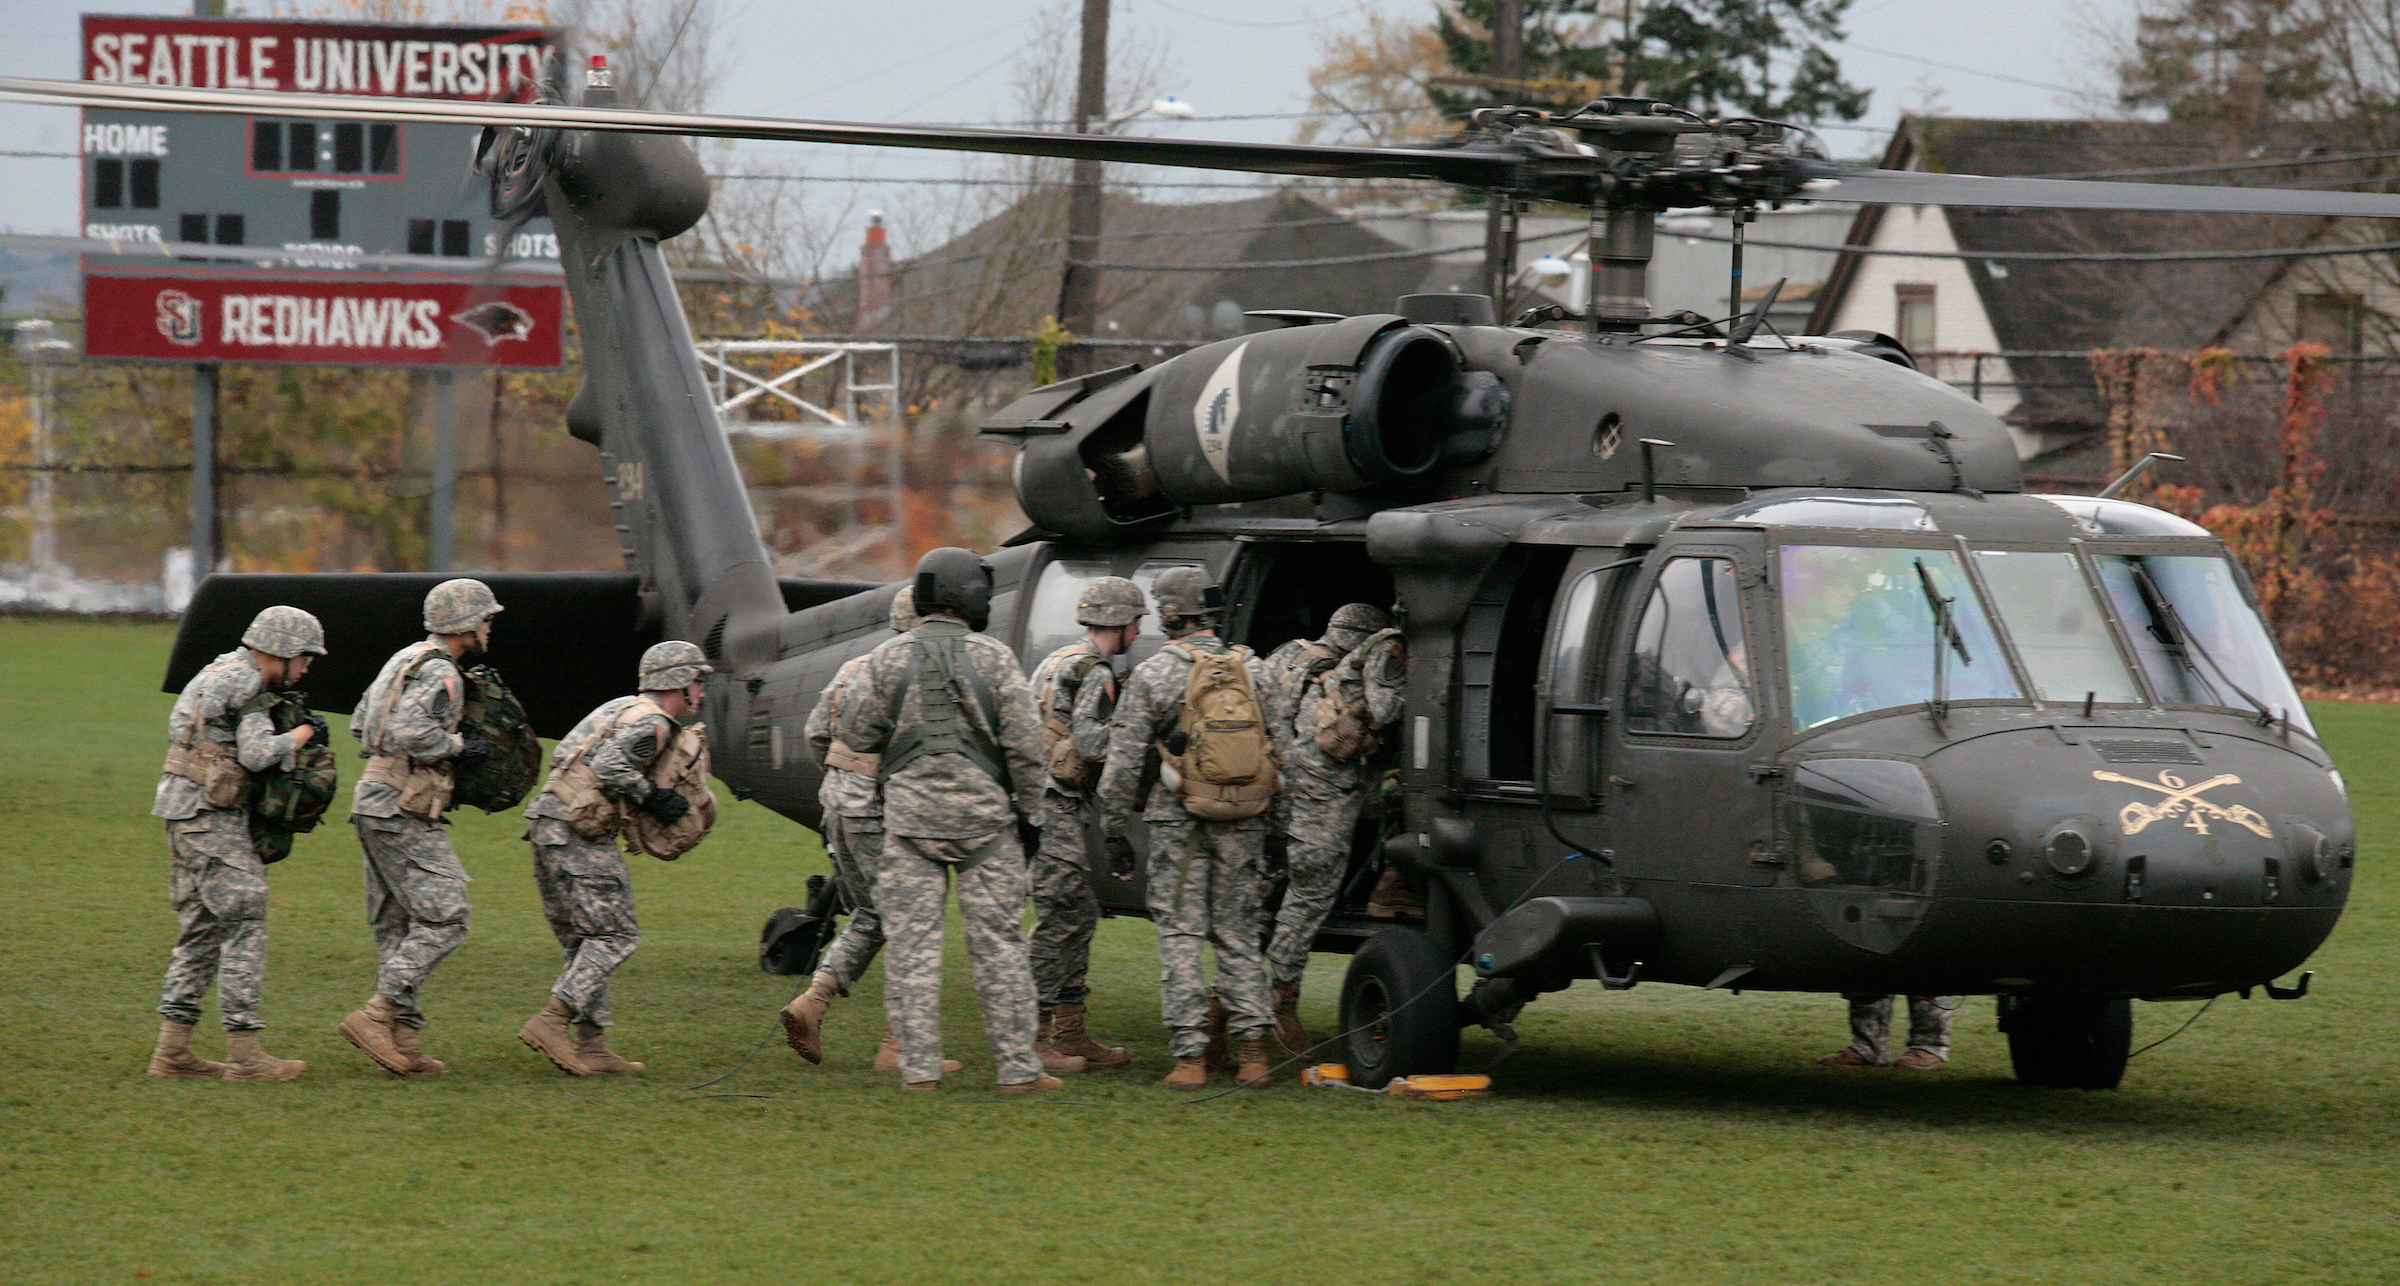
[1861, 627]
[2197, 639]
[2054, 619]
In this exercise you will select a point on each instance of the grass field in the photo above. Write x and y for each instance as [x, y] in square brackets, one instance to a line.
[1657, 1136]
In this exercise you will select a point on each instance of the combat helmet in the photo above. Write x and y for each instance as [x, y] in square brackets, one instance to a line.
[904, 610]
[286, 632]
[1110, 600]
[1353, 622]
[671, 665]
[457, 606]
[956, 581]
[1188, 593]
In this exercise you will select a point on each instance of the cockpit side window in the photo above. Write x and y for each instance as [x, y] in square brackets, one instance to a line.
[2197, 638]
[1690, 672]
[1859, 624]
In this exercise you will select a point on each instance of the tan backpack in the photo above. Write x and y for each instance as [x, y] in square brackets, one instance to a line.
[1227, 770]
[683, 768]
[1067, 765]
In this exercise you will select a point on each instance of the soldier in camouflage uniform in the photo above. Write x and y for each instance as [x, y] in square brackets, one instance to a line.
[1292, 667]
[416, 889]
[1323, 797]
[1076, 695]
[951, 718]
[1205, 878]
[1929, 1020]
[587, 894]
[218, 886]
[851, 800]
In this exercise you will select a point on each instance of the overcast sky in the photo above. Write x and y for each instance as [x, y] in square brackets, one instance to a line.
[950, 60]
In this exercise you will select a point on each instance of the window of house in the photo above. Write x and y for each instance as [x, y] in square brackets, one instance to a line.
[1912, 318]
[2331, 320]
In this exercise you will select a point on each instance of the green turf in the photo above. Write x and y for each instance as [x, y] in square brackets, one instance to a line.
[1658, 1136]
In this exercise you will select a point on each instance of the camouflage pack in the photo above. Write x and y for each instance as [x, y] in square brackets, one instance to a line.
[493, 713]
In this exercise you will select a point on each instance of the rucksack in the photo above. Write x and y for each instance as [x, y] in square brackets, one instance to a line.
[1226, 770]
[683, 768]
[492, 712]
[1067, 765]
[1345, 729]
[283, 803]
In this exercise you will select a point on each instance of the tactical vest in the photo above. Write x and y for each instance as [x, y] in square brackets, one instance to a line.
[1067, 765]
[942, 725]
[838, 754]
[213, 767]
[1227, 769]
[591, 811]
[1345, 728]
[424, 788]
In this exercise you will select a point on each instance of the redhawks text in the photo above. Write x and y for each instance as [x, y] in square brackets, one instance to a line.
[305, 321]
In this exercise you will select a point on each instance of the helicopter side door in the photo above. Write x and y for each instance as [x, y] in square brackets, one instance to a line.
[1686, 804]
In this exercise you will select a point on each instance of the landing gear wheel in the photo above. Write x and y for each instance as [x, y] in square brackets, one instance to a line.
[1399, 1009]
[2068, 1042]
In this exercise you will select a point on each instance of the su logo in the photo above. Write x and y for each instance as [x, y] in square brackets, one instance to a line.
[179, 317]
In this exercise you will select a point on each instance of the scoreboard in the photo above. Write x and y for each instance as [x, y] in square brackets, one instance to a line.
[361, 243]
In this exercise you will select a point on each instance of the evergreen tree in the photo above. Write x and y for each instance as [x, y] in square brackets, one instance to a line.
[1761, 57]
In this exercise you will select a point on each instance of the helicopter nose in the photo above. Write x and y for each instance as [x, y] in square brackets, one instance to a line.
[2162, 860]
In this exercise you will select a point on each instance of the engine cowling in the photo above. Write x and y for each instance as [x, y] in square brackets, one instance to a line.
[1366, 402]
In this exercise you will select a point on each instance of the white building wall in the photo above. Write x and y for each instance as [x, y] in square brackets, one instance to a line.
[1961, 327]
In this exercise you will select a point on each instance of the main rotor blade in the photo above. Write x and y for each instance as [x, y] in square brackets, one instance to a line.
[1482, 168]
[1909, 187]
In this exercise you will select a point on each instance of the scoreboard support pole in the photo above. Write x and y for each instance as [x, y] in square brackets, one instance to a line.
[204, 469]
[442, 385]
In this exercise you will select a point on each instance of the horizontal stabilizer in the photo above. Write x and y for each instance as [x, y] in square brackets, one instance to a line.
[566, 642]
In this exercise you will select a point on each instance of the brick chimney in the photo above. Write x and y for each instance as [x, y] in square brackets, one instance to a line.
[874, 275]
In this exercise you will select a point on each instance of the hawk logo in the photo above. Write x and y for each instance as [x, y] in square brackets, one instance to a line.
[496, 321]
[179, 317]
[2179, 800]
[1217, 408]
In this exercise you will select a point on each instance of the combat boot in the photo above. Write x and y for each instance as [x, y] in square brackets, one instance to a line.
[1288, 1031]
[804, 1018]
[1921, 1060]
[1189, 1074]
[549, 1033]
[174, 1056]
[1253, 1069]
[594, 1051]
[1219, 1056]
[887, 1059]
[1038, 1083]
[1067, 1036]
[1846, 1057]
[370, 1028]
[245, 1061]
[410, 1041]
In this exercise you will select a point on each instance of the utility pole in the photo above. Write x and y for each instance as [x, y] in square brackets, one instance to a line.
[1079, 285]
[443, 518]
[1500, 208]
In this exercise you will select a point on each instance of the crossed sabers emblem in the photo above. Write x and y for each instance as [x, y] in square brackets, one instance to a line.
[2185, 802]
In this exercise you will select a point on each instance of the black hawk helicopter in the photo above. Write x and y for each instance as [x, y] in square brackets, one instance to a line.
[1731, 663]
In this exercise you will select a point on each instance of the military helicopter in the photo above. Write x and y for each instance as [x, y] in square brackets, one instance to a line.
[1734, 661]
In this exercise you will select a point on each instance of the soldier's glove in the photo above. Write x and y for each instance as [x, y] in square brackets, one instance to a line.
[665, 805]
[1278, 852]
[316, 721]
[1029, 836]
[1177, 742]
[1122, 861]
[472, 753]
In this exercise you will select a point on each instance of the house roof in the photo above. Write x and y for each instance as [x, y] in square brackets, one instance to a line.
[1002, 276]
[2077, 306]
